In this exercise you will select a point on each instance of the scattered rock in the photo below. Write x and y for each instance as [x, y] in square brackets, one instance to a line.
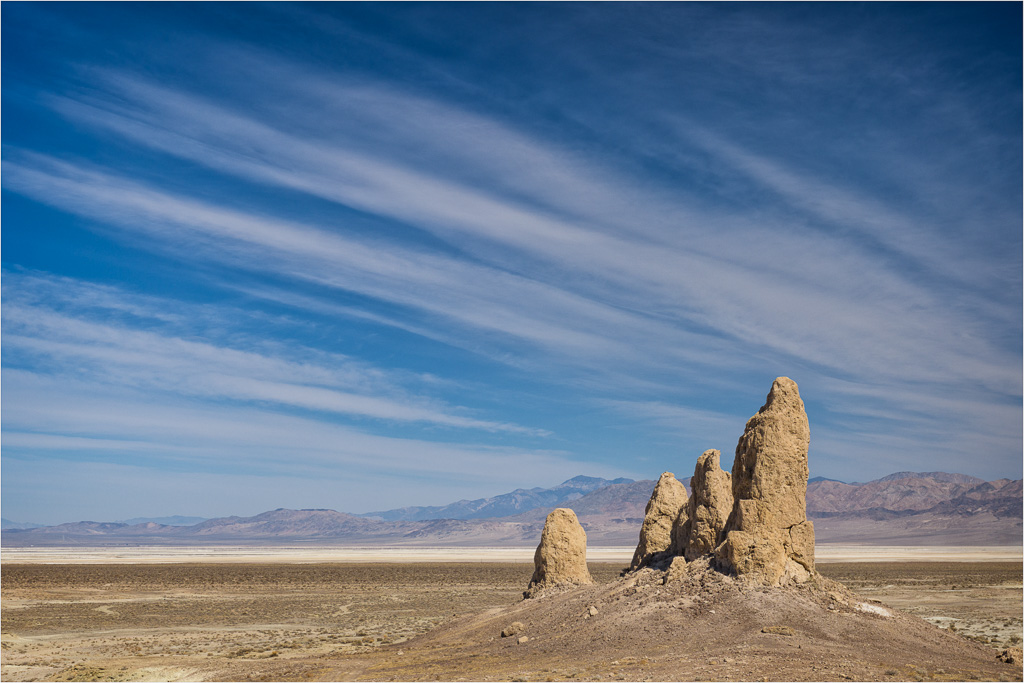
[768, 538]
[592, 611]
[662, 515]
[708, 509]
[561, 556]
[522, 639]
[1013, 655]
[512, 629]
[779, 630]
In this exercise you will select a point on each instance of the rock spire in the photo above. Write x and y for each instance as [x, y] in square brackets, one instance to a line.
[709, 508]
[768, 537]
[561, 557]
[661, 518]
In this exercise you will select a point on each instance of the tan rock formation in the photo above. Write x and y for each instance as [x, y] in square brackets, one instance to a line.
[667, 504]
[561, 557]
[709, 508]
[768, 537]
[512, 629]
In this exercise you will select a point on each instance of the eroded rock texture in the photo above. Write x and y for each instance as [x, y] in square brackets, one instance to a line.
[768, 537]
[561, 557]
[709, 508]
[663, 512]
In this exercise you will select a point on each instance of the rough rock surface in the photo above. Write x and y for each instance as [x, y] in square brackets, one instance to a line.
[666, 510]
[768, 538]
[709, 508]
[561, 557]
[512, 629]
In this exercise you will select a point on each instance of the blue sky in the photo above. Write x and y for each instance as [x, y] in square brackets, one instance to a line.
[360, 256]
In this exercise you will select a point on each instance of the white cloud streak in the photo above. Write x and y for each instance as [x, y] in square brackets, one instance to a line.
[57, 414]
[124, 356]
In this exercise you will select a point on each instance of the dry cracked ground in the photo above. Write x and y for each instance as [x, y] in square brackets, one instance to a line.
[434, 621]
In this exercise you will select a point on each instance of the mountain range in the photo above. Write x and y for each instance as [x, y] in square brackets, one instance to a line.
[504, 505]
[908, 508]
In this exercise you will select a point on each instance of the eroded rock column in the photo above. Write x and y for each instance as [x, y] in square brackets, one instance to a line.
[709, 509]
[665, 510]
[561, 557]
[768, 537]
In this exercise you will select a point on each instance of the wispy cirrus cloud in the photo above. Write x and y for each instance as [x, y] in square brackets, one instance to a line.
[121, 355]
[172, 429]
[485, 298]
[794, 290]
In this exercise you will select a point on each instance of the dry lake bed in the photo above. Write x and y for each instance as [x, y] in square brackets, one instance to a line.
[314, 613]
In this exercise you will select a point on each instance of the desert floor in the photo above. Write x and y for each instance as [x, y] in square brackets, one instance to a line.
[149, 554]
[332, 621]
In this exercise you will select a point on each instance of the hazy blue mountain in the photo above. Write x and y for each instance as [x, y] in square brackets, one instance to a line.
[174, 520]
[503, 505]
[8, 524]
[626, 501]
[944, 477]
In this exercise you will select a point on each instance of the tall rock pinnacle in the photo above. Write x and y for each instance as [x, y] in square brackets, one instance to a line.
[709, 508]
[768, 537]
[662, 514]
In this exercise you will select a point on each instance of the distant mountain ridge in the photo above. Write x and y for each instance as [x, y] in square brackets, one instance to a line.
[914, 491]
[945, 477]
[174, 520]
[911, 509]
[8, 524]
[502, 505]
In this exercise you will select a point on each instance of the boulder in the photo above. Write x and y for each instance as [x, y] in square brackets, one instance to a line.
[512, 629]
[768, 538]
[709, 508]
[561, 557]
[662, 515]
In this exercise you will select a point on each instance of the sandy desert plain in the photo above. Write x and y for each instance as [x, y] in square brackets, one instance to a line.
[120, 614]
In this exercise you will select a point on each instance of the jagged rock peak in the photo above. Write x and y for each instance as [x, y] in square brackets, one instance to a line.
[561, 556]
[709, 509]
[662, 515]
[768, 538]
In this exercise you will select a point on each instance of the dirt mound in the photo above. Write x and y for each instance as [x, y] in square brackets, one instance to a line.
[691, 622]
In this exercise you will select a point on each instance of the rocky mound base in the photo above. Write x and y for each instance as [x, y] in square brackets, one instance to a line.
[690, 622]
